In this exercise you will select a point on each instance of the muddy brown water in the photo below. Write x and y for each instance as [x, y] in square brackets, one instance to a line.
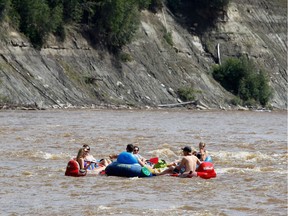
[249, 151]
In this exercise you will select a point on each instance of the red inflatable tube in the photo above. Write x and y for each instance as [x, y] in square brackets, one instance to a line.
[205, 171]
[72, 169]
[206, 175]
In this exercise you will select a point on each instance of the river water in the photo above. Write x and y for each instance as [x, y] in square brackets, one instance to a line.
[249, 151]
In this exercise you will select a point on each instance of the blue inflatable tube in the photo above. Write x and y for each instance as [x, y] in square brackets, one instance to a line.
[126, 170]
[127, 166]
[127, 158]
[208, 159]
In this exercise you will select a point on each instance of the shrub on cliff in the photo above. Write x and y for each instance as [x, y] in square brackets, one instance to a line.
[240, 77]
[187, 93]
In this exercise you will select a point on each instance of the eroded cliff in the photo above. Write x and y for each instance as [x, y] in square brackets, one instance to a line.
[74, 73]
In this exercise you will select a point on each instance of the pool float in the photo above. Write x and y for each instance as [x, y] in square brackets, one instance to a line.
[73, 169]
[208, 159]
[127, 166]
[205, 170]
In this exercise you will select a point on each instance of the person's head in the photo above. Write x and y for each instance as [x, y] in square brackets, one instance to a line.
[86, 148]
[130, 148]
[202, 145]
[194, 152]
[135, 150]
[187, 150]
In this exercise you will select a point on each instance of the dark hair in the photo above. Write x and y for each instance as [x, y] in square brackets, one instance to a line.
[130, 148]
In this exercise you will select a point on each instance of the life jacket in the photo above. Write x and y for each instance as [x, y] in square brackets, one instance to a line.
[73, 169]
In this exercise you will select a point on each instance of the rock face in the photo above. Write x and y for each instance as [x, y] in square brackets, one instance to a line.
[73, 73]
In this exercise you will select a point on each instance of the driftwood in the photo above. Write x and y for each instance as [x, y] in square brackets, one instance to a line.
[179, 104]
[198, 104]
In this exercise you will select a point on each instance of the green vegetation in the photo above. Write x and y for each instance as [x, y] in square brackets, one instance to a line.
[112, 23]
[117, 21]
[125, 57]
[240, 77]
[109, 22]
[187, 93]
[168, 38]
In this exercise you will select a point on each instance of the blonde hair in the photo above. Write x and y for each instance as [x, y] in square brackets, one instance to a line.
[80, 153]
[202, 145]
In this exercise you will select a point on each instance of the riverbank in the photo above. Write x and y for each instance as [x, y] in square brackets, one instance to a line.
[181, 106]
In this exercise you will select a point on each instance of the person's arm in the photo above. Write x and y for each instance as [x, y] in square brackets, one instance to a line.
[142, 163]
[174, 163]
[113, 156]
[81, 164]
[87, 165]
[198, 161]
[182, 164]
[143, 159]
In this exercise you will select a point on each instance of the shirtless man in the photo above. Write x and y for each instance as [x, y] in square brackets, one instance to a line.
[188, 163]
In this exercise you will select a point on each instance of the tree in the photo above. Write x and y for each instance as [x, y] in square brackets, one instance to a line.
[37, 19]
[4, 8]
[118, 21]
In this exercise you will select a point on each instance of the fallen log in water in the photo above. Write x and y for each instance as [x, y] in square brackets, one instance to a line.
[179, 104]
[198, 104]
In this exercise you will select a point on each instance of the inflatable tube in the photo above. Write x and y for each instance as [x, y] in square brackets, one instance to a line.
[72, 169]
[208, 159]
[92, 166]
[126, 158]
[127, 170]
[205, 171]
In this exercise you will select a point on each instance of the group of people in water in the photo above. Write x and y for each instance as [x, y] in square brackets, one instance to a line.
[185, 167]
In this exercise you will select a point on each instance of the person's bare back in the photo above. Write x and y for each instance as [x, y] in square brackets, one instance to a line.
[189, 162]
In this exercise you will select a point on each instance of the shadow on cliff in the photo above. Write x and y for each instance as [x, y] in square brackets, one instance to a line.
[198, 17]
[97, 43]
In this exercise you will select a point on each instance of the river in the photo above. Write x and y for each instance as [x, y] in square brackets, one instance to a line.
[249, 151]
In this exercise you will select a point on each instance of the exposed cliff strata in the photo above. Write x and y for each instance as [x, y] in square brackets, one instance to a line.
[259, 30]
[73, 73]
